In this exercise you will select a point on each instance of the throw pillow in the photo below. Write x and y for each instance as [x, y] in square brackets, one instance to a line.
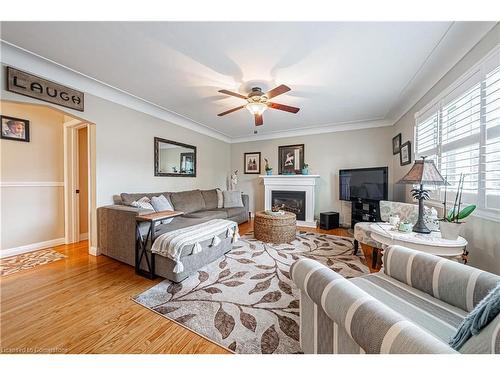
[161, 203]
[144, 202]
[232, 199]
[220, 199]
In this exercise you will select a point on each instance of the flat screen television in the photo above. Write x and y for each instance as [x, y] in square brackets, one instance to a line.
[363, 183]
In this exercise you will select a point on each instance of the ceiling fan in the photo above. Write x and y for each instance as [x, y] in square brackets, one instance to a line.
[258, 102]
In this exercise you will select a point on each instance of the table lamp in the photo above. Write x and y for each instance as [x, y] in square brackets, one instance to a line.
[423, 172]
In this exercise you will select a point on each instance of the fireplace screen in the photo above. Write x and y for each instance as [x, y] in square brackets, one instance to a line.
[291, 201]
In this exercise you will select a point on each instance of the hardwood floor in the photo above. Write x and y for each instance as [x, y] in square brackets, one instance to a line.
[82, 304]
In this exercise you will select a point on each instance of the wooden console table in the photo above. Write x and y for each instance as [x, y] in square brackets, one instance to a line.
[141, 242]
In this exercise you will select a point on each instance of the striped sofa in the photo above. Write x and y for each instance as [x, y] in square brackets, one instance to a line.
[414, 305]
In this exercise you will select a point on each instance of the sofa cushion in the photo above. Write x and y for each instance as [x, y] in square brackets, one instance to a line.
[177, 223]
[232, 199]
[208, 215]
[144, 203]
[128, 198]
[210, 198]
[435, 316]
[220, 198]
[187, 201]
[234, 211]
[161, 203]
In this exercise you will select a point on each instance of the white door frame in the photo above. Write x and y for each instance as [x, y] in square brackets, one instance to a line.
[71, 183]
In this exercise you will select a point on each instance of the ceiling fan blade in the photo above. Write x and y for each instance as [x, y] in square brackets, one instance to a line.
[258, 120]
[283, 107]
[281, 89]
[227, 92]
[231, 110]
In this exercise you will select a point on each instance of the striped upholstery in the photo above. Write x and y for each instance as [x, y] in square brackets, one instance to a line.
[457, 284]
[414, 305]
[337, 316]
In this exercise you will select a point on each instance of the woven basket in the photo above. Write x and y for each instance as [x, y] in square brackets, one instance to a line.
[275, 229]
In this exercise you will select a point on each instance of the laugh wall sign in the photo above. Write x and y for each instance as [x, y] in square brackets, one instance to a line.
[35, 87]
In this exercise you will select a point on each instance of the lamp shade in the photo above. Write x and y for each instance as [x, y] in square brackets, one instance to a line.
[423, 172]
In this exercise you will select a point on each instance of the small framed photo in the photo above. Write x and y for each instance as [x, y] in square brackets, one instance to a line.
[396, 144]
[405, 154]
[252, 163]
[15, 129]
[291, 159]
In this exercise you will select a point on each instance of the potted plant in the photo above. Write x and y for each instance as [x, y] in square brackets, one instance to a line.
[450, 225]
[269, 170]
[305, 168]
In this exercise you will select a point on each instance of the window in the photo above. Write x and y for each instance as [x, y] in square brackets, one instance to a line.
[460, 131]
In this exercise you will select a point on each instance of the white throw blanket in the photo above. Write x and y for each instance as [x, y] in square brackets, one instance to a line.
[170, 244]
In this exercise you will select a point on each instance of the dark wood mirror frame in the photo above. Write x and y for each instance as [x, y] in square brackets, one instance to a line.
[157, 142]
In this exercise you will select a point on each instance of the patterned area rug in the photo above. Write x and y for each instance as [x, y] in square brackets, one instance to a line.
[22, 262]
[246, 300]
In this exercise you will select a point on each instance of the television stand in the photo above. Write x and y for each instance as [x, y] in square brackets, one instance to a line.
[364, 210]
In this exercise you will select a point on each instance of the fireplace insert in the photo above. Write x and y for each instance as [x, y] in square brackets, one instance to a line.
[291, 201]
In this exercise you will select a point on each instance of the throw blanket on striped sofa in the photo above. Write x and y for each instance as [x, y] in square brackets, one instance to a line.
[170, 244]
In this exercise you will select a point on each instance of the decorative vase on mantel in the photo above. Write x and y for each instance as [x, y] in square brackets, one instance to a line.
[449, 231]
[269, 172]
[305, 169]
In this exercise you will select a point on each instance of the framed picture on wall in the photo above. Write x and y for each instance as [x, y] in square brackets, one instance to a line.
[396, 144]
[405, 154]
[252, 163]
[290, 159]
[15, 129]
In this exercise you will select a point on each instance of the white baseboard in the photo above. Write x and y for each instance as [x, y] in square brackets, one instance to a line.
[83, 236]
[310, 224]
[94, 251]
[31, 247]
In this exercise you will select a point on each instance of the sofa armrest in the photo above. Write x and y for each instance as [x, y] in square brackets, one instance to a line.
[457, 284]
[116, 231]
[373, 326]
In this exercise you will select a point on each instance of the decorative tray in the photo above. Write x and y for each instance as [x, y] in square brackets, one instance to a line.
[277, 213]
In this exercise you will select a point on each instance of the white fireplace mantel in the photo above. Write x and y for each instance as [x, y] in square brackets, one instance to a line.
[305, 183]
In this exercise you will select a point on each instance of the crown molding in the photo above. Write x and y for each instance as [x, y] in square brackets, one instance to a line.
[31, 62]
[331, 128]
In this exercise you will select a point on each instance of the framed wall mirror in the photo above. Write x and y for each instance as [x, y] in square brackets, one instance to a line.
[174, 159]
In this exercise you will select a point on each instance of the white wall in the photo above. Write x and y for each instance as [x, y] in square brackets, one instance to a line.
[483, 235]
[325, 154]
[32, 214]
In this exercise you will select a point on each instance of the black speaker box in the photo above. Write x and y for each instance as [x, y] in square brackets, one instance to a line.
[329, 220]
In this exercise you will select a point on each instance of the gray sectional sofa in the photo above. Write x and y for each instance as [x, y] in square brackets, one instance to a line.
[116, 224]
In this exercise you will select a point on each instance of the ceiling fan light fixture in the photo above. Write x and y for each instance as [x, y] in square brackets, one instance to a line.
[256, 108]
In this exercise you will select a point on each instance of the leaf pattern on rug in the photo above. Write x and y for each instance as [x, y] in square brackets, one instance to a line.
[269, 341]
[223, 322]
[246, 300]
[248, 320]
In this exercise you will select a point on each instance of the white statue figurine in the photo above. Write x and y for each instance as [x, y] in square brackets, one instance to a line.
[234, 180]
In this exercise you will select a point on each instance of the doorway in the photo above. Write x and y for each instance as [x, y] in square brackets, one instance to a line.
[82, 191]
[79, 183]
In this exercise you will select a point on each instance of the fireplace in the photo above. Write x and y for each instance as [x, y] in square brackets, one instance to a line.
[291, 201]
[297, 191]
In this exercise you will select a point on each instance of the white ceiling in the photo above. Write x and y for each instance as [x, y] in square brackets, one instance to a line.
[341, 73]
